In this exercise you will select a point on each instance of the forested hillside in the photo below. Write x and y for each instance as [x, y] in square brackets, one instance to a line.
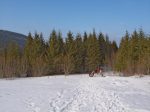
[7, 37]
[76, 54]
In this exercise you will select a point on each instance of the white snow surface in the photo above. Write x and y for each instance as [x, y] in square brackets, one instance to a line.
[75, 93]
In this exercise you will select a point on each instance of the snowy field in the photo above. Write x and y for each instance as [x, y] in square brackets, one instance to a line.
[78, 93]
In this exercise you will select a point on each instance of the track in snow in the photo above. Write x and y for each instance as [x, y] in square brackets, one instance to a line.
[77, 93]
[89, 96]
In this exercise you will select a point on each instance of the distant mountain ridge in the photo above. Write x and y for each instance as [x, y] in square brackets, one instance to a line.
[8, 36]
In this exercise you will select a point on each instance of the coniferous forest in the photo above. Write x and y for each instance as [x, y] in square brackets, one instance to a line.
[76, 54]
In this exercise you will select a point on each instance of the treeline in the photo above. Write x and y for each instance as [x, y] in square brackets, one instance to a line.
[133, 56]
[72, 54]
[76, 54]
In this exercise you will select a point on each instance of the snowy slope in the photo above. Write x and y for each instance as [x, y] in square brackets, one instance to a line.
[78, 93]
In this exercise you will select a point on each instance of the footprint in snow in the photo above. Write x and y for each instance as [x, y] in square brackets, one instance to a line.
[33, 107]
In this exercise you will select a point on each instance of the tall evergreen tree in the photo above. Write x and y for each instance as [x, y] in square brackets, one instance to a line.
[68, 61]
[38, 63]
[102, 48]
[13, 60]
[53, 51]
[85, 61]
[123, 53]
[28, 56]
[133, 54]
[93, 55]
[78, 55]
[59, 57]
[114, 49]
[134, 51]
[107, 51]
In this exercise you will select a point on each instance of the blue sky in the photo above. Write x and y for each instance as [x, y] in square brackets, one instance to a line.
[113, 17]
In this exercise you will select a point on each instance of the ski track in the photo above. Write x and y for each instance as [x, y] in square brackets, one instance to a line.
[32, 107]
[88, 97]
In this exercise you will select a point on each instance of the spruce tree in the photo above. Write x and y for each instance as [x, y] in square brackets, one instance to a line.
[93, 54]
[28, 56]
[134, 52]
[78, 55]
[102, 48]
[59, 57]
[85, 61]
[107, 51]
[52, 51]
[69, 63]
[114, 49]
[38, 62]
[123, 54]
[13, 60]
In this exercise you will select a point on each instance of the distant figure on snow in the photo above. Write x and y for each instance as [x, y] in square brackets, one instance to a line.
[98, 71]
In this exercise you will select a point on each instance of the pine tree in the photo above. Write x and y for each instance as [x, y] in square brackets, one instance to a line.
[114, 49]
[93, 55]
[134, 51]
[13, 60]
[147, 55]
[85, 37]
[52, 51]
[68, 61]
[144, 53]
[28, 56]
[123, 54]
[102, 48]
[38, 62]
[107, 51]
[3, 59]
[133, 54]
[60, 43]
[85, 61]
[78, 55]
[59, 57]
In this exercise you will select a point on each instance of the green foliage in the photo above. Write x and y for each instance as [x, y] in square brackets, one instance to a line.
[69, 63]
[34, 55]
[55, 52]
[77, 54]
[123, 53]
[133, 54]
[102, 48]
[10, 61]
[93, 54]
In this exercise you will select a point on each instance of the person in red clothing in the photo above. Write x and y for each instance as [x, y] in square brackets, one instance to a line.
[98, 70]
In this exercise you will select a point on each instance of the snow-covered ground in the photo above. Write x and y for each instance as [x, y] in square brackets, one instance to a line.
[78, 93]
